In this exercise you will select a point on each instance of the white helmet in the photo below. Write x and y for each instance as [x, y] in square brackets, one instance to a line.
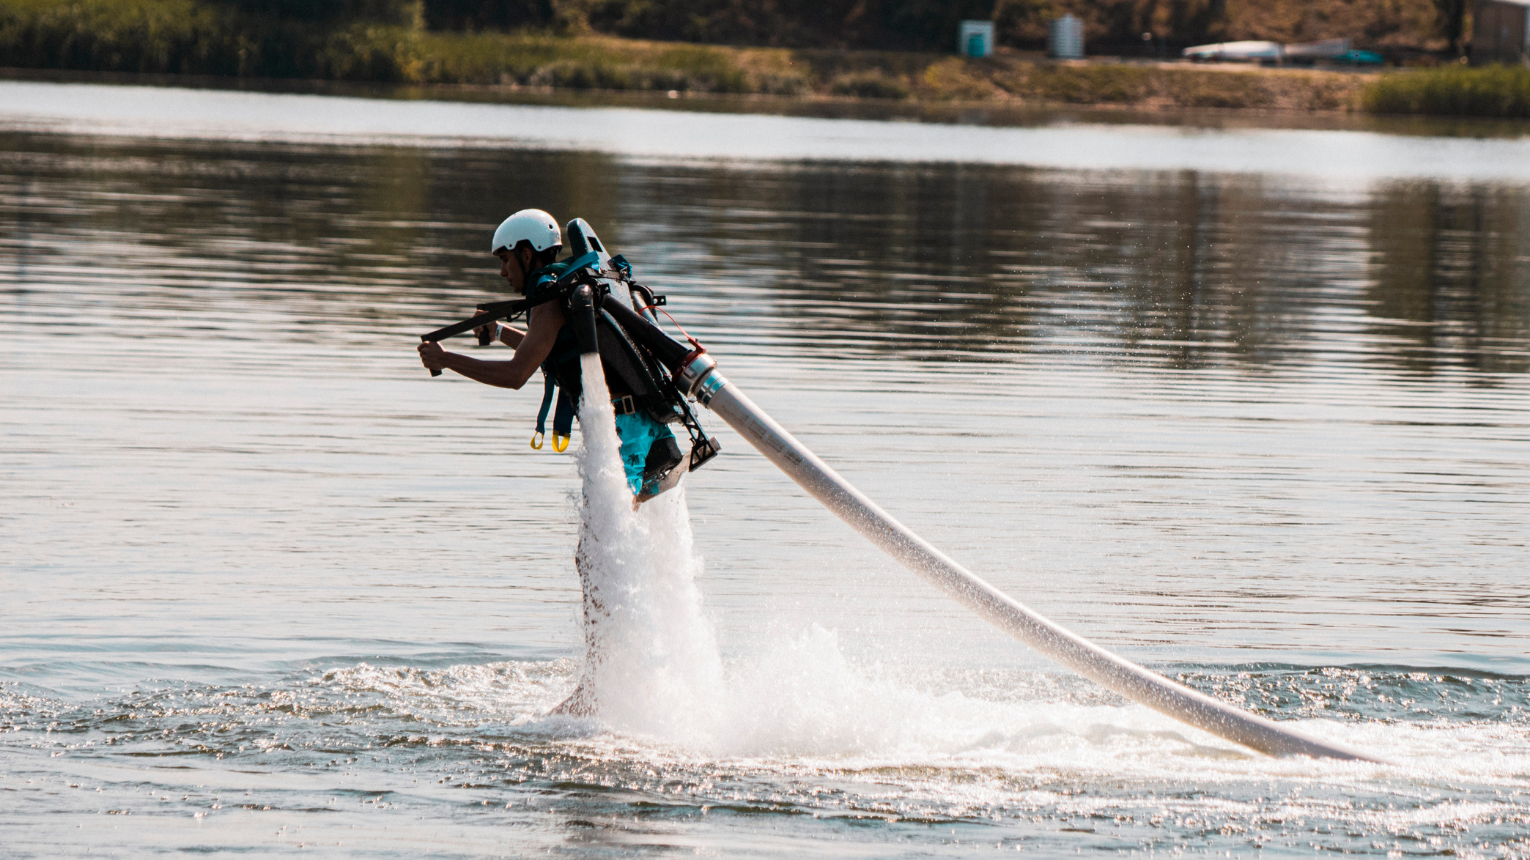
[527, 225]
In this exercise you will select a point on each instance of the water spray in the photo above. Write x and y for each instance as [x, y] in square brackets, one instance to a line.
[695, 373]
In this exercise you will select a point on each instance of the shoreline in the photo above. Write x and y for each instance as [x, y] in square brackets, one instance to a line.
[994, 113]
[1332, 158]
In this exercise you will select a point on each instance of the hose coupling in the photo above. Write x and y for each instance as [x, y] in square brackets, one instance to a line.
[698, 369]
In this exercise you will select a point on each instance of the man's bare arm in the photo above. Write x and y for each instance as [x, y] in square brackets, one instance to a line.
[531, 349]
[511, 336]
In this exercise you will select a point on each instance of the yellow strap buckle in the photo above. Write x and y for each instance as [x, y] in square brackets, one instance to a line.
[560, 443]
[536, 442]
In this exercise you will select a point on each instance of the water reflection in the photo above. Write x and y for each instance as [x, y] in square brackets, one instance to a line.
[1451, 282]
[1183, 268]
[975, 262]
[1179, 268]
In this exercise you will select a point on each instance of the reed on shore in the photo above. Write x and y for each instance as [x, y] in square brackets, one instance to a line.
[1491, 91]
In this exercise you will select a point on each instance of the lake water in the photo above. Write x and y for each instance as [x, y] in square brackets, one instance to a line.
[1251, 407]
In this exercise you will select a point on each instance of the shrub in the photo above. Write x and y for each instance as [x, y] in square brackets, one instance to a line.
[1090, 84]
[869, 85]
[956, 78]
[1204, 89]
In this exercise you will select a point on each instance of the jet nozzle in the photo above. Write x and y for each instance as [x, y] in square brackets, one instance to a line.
[581, 307]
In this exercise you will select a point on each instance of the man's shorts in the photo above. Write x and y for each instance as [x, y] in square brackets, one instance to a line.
[638, 432]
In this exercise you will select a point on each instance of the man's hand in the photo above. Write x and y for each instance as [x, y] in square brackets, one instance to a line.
[432, 356]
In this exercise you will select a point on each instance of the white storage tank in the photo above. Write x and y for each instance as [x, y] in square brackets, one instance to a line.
[1065, 37]
[975, 39]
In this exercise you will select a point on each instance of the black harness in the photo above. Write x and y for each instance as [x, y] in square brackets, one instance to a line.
[637, 381]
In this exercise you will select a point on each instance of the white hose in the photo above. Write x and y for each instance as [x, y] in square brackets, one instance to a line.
[1084, 657]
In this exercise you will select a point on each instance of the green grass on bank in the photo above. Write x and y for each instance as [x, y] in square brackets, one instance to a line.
[225, 37]
[603, 63]
[1492, 91]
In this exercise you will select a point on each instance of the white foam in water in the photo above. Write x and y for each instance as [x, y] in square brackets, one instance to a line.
[652, 665]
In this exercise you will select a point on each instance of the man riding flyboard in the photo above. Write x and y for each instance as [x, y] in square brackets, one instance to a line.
[643, 396]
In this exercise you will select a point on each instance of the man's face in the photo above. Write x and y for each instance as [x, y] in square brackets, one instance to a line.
[511, 271]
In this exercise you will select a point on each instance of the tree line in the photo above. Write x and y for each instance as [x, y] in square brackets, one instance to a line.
[1111, 26]
[425, 40]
